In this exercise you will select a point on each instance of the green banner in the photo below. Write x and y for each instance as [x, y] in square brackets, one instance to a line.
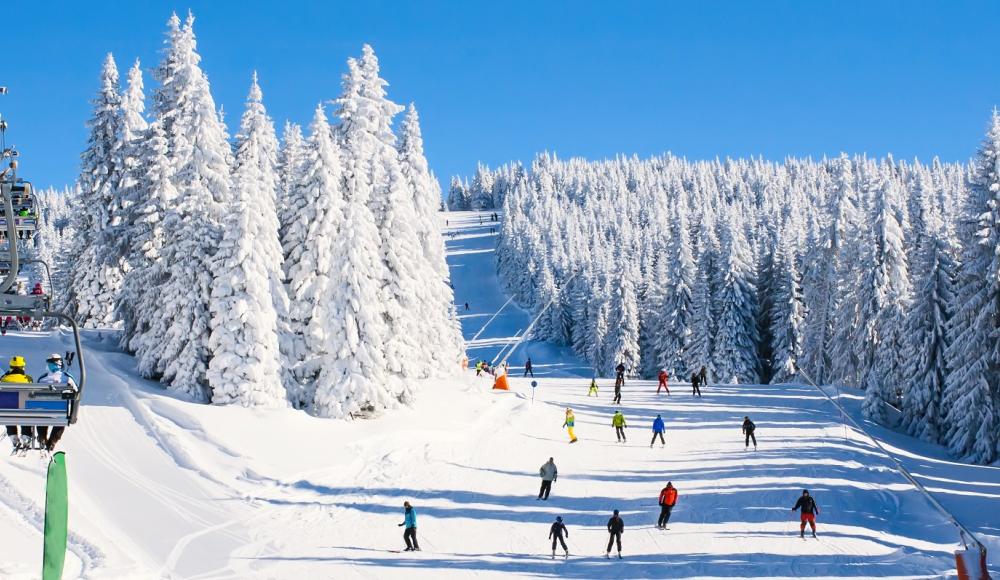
[56, 518]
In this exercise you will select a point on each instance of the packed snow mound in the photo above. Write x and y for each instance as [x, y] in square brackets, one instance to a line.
[163, 487]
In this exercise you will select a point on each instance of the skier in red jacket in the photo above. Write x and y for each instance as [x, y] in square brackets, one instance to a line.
[668, 498]
[663, 382]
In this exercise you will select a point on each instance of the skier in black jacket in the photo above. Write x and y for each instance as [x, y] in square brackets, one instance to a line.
[616, 527]
[527, 368]
[620, 376]
[695, 380]
[748, 429]
[809, 512]
[556, 535]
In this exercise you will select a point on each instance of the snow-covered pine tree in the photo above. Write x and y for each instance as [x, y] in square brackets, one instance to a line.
[623, 321]
[139, 299]
[675, 338]
[405, 276]
[245, 365]
[442, 323]
[884, 382]
[787, 315]
[458, 196]
[133, 194]
[927, 336]
[353, 378]
[702, 319]
[308, 244]
[735, 348]
[970, 396]
[290, 160]
[201, 158]
[93, 285]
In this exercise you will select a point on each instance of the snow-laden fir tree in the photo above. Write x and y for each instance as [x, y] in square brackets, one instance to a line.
[245, 365]
[893, 294]
[787, 315]
[308, 244]
[699, 354]
[623, 325]
[95, 277]
[139, 300]
[200, 156]
[405, 277]
[353, 376]
[853, 339]
[458, 196]
[970, 396]
[442, 326]
[735, 348]
[675, 337]
[927, 336]
[290, 202]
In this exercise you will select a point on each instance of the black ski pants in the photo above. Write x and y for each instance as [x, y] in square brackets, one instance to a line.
[664, 515]
[618, 395]
[750, 436]
[657, 434]
[543, 493]
[695, 389]
[410, 537]
[620, 433]
[559, 538]
[615, 537]
[528, 371]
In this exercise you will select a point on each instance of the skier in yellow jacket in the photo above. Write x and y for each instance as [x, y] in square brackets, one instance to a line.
[569, 424]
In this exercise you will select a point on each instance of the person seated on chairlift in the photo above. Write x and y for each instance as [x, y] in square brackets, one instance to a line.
[16, 374]
[54, 375]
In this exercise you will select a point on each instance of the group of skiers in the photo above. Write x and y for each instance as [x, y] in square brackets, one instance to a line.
[25, 437]
[483, 366]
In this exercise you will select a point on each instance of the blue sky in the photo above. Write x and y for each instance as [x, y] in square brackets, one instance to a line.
[499, 81]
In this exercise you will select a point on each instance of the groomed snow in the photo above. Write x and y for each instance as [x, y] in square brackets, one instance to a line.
[162, 487]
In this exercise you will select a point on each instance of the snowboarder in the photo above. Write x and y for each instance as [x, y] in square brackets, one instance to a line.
[548, 473]
[748, 429]
[618, 422]
[695, 380]
[410, 532]
[16, 374]
[658, 428]
[556, 535]
[668, 498]
[616, 527]
[663, 382]
[592, 391]
[569, 424]
[527, 368]
[55, 375]
[809, 512]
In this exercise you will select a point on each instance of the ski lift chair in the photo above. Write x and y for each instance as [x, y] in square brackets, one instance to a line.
[33, 404]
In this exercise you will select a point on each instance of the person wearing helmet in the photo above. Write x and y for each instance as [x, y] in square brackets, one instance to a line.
[556, 535]
[616, 527]
[16, 374]
[55, 375]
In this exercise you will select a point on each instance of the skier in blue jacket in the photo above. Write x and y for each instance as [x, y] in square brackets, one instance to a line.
[410, 521]
[658, 428]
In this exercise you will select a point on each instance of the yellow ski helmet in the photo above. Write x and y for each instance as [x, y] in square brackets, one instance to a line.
[17, 361]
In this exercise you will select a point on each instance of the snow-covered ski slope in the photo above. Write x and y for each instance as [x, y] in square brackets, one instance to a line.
[164, 488]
